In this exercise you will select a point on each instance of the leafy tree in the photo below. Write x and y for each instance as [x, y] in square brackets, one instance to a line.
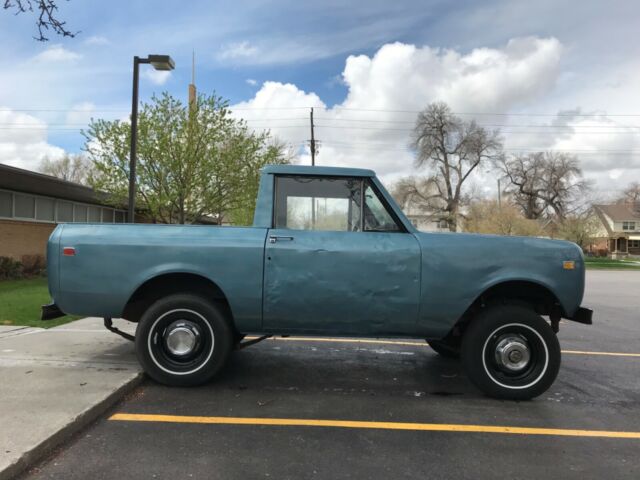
[451, 149]
[193, 161]
[72, 168]
[545, 184]
[47, 16]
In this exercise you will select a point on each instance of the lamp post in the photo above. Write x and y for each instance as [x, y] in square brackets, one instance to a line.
[159, 62]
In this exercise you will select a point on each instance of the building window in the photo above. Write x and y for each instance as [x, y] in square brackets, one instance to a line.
[65, 212]
[25, 206]
[6, 204]
[629, 226]
[94, 214]
[634, 243]
[107, 215]
[45, 209]
[80, 213]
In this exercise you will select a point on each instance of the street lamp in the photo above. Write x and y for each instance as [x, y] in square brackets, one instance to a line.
[159, 62]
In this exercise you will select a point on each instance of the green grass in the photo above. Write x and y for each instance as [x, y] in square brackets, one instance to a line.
[20, 302]
[601, 263]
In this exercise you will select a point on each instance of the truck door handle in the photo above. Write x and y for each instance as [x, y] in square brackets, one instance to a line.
[278, 238]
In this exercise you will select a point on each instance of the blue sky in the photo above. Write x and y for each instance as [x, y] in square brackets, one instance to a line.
[511, 57]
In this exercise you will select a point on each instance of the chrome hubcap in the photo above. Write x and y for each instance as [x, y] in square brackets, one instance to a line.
[513, 353]
[181, 338]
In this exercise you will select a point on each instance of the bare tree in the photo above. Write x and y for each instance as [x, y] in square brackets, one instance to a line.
[451, 149]
[72, 168]
[631, 195]
[419, 195]
[47, 16]
[544, 184]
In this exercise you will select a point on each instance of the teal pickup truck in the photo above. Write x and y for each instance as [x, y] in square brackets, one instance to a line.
[329, 253]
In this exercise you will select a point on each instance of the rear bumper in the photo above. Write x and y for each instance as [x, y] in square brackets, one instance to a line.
[51, 311]
[582, 315]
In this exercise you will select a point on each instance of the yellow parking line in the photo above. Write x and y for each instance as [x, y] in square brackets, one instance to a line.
[432, 427]
[610, 354]
[424, 344]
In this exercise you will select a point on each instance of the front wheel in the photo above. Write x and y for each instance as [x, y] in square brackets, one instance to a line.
[511, 352]
[183, 340]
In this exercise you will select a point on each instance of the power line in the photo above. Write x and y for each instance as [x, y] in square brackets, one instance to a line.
[27, 126]
[382, 146]
[412, 122]
[350, 109]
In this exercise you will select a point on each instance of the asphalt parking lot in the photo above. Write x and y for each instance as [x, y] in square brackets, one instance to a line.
[338, 408]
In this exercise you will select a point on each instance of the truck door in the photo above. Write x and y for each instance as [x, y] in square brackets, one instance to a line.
[337, 260]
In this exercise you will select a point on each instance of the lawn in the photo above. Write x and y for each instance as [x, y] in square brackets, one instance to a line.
[20, 302]
[608, 263]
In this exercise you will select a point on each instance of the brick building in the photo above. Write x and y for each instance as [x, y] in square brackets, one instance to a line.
[32, 204]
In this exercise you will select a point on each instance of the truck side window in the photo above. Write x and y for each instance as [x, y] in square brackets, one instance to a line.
[376, 216]
[318, 203]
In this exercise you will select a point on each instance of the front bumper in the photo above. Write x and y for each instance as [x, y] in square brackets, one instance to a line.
[51, 311]
[582, 315]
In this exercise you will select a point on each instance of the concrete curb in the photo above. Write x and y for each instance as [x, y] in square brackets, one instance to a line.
[88, 416]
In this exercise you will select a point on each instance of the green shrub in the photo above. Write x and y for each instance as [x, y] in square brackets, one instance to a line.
[10, 269]
[33, 265]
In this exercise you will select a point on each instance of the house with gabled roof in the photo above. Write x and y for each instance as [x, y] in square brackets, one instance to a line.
[622, 225]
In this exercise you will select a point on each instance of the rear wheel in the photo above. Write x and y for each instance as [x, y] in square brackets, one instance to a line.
[183, 340]
[511, 352]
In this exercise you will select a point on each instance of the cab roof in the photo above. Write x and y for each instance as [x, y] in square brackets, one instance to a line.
[309, 170]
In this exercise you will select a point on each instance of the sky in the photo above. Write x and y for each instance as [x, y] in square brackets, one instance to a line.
[550, 74]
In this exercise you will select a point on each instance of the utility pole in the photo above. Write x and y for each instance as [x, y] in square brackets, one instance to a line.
[313, 162]
[499, 196]
[313, 140]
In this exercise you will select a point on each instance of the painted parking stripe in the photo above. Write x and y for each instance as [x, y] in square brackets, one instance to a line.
[423, 344]
[610, 354]
[431, 427]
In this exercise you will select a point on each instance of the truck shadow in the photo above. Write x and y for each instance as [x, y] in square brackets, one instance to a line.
[342, 367]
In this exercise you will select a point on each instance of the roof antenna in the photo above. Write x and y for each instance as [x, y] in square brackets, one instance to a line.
[192, 85]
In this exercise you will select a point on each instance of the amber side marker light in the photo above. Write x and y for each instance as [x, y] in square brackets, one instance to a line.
[569, 265]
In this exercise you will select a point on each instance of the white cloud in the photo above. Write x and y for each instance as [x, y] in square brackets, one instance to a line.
[97, 40]
[237, 51]
[157, 77]
[23, 140]
[406, 76]
[80, 113]
[251, 81]
[371, 127]
[57, 53]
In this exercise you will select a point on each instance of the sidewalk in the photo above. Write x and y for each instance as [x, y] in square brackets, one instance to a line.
[54, 382]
